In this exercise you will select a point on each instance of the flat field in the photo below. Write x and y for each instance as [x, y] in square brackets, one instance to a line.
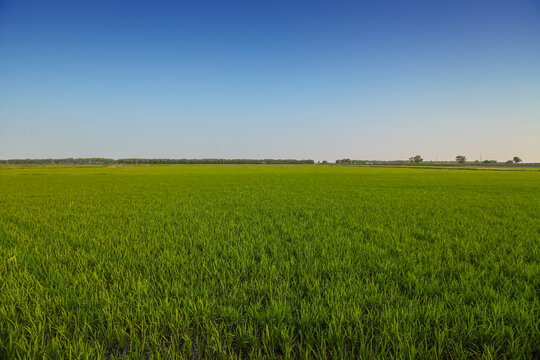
[223, 261]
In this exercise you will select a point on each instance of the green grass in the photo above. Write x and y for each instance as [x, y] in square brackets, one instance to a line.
[268, 262]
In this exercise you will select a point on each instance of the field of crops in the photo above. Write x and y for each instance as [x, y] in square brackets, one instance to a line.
[227, 261]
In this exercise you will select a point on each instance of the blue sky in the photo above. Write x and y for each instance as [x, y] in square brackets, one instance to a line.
[270, 79]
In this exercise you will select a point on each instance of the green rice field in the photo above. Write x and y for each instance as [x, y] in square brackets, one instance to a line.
[268, 261]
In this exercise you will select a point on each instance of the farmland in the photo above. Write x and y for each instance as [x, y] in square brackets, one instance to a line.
[275, 261]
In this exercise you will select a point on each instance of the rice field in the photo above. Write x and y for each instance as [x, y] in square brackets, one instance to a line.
[268, 261]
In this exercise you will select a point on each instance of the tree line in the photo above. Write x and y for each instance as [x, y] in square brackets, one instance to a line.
[134, 161]
[417, 159]
[213, 161]
[462, 160]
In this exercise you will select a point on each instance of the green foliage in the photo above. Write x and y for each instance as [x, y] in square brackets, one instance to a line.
[138, 262]
[140, 161]
[516, 159]
[416, 159]
[461, 159]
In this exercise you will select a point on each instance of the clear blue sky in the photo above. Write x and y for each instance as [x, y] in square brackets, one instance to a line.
[270, 79]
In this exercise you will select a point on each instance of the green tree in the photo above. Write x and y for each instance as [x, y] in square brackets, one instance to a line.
[461, 159]
[416, 159]
[516, 159]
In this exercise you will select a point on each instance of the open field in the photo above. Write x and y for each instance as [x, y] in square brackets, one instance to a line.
[227, 261]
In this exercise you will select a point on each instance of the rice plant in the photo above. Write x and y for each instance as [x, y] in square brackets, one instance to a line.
[254, 261]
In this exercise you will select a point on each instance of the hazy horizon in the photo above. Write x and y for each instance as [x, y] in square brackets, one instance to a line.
[270, 79]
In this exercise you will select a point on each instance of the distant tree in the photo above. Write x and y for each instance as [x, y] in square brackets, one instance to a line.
[509, 161]
[325, 162]
[461, 159]
[416, 159]
[516, 159]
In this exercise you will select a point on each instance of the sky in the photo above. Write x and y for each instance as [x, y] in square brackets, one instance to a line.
[320, 80]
